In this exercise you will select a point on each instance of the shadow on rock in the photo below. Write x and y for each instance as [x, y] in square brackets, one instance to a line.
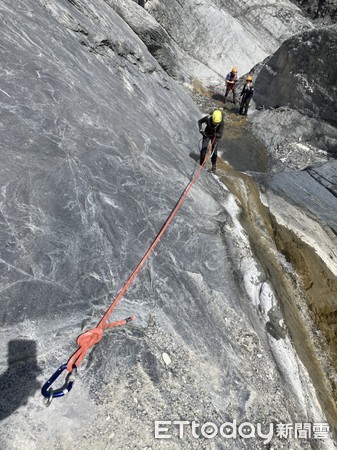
[218, 97]
[19, 381]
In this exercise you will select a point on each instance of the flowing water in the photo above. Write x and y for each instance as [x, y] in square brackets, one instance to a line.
[241, 148]
[305, 321]
[309, 323]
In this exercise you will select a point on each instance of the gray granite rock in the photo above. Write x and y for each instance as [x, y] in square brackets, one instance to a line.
[313, 190]
[322, 11]
[172, 58]
[294, 141]
[220, 34]
[294, 110]
[301, 75]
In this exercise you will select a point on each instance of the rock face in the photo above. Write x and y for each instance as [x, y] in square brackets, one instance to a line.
[322, 11]
[170, 55]
[95, 144]
[301, 75]
[295, 93]
[303, 206]
[295, 141]
[206, 38]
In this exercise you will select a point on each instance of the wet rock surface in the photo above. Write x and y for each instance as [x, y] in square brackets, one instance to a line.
[304, 223]
[301, 206]
[297, 123]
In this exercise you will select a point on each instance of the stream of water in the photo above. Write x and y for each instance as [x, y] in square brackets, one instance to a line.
[242, 154]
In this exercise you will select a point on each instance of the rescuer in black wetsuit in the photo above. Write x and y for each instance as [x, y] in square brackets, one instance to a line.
[213, 130]
[246, 96]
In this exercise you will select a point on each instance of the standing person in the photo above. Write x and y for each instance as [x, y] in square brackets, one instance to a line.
[231, 79]
[212, 132]
[246, 96]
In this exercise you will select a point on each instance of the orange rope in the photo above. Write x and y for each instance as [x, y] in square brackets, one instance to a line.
[91, 337]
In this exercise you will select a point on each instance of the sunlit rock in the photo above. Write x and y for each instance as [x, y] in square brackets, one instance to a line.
[322, 11]
[295, 93]
[220, 34]
[302, 75]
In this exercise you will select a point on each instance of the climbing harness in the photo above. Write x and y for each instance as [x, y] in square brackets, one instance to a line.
[91, 337]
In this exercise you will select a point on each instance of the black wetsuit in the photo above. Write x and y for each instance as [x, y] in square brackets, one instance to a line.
[246, 96]
[211, 131]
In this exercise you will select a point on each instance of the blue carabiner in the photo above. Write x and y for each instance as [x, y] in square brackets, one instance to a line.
[50, 393]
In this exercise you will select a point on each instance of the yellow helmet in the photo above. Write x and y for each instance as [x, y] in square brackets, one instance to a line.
[234, 70]
[249, 78]
[217, 116]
